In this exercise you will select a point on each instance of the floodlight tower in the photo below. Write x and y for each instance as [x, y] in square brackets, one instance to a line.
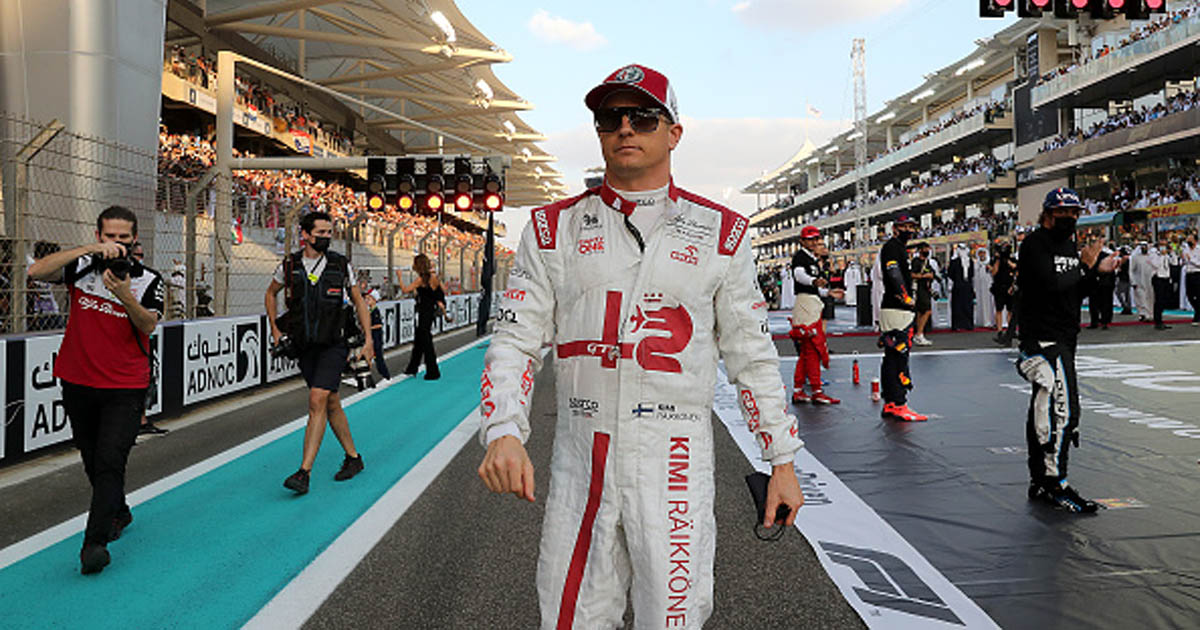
[858, 56]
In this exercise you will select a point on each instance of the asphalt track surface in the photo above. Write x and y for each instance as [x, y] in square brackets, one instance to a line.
[460, 557]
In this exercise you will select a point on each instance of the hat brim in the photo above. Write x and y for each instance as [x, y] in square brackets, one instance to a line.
[595, 97]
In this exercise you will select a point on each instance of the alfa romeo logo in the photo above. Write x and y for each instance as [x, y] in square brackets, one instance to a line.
[629, 74]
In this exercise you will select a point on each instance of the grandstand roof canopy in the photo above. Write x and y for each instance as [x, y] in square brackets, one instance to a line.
[396, 55]
[992, 59]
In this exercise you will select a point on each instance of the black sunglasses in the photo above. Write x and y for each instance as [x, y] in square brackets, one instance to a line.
[641, 119]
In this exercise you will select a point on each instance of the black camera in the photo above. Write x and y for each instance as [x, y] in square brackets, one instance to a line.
[120, 266]
[286, 348]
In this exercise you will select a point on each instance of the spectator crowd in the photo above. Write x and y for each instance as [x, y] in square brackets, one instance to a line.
[1183, 101]
[1156, 25]
[262, 199]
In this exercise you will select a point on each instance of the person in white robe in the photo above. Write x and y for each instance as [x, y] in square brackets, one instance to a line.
[853, 278]
[985, 305]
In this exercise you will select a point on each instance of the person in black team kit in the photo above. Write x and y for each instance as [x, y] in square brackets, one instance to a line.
[1055, 276]
[316, 281]
[104, 365]
[896, 321]
[430, 300]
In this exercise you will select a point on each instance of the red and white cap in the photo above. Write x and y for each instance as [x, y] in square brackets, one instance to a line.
[636, 77]
[810, 231]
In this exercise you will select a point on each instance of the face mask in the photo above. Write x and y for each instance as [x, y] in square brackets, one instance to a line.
[1063, 228]
[321, 243]
[904, 235]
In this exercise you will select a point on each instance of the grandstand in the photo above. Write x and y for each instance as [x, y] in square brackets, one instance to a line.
[422, 72]
[1106, 107]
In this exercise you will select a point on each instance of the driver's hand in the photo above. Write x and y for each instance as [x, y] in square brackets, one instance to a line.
[506, 468]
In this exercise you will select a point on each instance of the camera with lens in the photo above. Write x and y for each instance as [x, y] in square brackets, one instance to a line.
[286, 348]
[120, 266]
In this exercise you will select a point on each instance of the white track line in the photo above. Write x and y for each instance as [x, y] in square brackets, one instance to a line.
[307, 592]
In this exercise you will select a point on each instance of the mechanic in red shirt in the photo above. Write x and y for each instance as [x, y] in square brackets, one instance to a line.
[104, 364]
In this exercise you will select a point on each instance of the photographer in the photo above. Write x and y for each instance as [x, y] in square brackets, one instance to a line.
[313, 330]
[104, 364]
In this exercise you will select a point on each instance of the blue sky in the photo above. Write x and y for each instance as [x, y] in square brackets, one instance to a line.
[743, 71]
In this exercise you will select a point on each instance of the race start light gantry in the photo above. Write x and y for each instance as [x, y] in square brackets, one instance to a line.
[1072, 9]
[433, 184]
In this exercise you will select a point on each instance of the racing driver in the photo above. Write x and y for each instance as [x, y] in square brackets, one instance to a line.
[639, 287]
[808, 328]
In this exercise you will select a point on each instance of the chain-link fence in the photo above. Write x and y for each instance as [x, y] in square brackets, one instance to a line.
[55, 183]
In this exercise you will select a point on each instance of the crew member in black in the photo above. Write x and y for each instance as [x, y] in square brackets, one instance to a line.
[430, 300]
[1100, 301]
[1054, 279]
[896, 322]
[103, 364]
[922, 273]
[1003, 269]
[317, 280]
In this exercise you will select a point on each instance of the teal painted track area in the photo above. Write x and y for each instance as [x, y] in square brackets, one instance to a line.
[213, 551]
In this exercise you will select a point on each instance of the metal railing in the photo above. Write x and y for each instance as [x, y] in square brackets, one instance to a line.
[1181, 33]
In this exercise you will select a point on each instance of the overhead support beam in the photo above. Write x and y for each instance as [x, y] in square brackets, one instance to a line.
[357, 40]
[441, 98]
[399, 72]
[263, 10]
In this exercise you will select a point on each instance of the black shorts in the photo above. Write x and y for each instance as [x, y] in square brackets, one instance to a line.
[1003, 300]
[924, 301]
[322, 366]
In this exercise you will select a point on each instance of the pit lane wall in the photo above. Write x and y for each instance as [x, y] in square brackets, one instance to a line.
[200, 360]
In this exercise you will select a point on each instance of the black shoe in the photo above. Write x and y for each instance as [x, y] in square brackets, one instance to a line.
[298, 482]
[150, 429]
[1065, 498]
[93, 558]
[119, 523]
[433, 377]
[1161, 327]
[412, 373]
[350, 466]
[1127, 312]
[1093, 326]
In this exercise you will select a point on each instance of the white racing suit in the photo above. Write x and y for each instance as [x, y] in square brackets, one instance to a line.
[636, 336]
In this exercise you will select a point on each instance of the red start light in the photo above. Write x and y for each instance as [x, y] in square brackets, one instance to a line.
[492, 202]
[1003, 3]
[1041, 4]
[1080, 4]
[463, 202]
[434, 202]
[1154, 4]
[1116, 4]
